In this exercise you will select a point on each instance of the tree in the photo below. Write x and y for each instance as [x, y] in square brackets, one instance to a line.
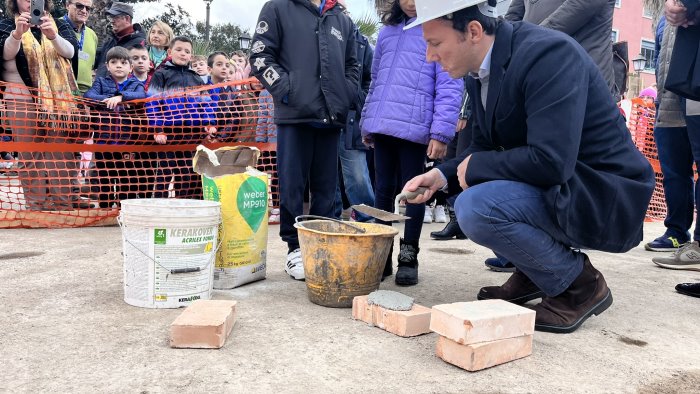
[222, 36]
[175, 17]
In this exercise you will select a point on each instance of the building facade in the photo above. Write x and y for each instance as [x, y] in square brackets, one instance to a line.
[634, 24]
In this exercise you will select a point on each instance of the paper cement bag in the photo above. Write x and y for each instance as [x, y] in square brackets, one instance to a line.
[228, 177]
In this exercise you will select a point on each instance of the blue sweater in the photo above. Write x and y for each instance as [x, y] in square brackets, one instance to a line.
[114, 129]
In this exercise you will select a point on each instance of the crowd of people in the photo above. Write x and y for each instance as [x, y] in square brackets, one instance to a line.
[510, 107]
[62, 58]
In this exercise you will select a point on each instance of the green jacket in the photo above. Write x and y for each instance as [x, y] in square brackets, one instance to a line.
[86, 59]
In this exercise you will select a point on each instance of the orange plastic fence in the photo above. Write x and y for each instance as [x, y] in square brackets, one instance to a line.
[641, 125]
[67, 162]
[75, 159]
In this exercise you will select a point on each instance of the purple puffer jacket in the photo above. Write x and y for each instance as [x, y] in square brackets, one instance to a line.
[409, 98]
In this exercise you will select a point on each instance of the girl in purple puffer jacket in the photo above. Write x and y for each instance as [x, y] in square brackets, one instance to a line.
[411, 110]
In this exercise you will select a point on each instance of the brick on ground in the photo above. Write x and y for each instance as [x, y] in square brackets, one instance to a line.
[205, 324]
[402, 323]
[482, 321]
[478, 356]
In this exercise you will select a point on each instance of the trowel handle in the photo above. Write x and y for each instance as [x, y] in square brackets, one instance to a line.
[410, 195]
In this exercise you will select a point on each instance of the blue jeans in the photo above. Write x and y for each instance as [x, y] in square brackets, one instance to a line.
[358, 187]
[512, 219]
[678, 149]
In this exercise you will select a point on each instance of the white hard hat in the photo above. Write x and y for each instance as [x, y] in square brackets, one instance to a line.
[428, 10]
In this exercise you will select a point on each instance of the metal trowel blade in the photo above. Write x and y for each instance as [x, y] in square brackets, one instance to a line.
[379, 214]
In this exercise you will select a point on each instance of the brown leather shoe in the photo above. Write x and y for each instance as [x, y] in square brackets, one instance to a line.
[518, 289]
[588, 295]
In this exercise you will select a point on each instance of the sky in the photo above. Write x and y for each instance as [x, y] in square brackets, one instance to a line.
[241, 12]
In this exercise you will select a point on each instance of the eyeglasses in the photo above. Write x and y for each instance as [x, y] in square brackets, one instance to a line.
[82, 7]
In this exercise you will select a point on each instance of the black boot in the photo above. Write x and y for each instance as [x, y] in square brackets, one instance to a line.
[388, 270]
[451, 229]
[407, 274]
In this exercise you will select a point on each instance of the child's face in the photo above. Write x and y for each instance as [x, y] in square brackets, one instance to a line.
[200, 67]
[231, 71]
[119, 68]
[181, 53]
[140, 60]
[238, 61]
[219, 69]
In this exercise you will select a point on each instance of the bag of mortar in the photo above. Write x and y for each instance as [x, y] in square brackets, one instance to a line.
[228, 177]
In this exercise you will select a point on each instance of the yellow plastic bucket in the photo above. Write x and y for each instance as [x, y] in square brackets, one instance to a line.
[341, 259]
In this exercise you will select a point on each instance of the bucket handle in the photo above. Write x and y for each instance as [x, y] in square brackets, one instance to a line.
[173, 271]
[359, 230]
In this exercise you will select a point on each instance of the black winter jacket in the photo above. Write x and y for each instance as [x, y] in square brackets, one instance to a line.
[64, 30]
[173, 77]
[137, 37]
[365, 54]
[307, 61]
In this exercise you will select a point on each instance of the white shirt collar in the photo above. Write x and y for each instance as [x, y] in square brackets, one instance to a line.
[485, 68]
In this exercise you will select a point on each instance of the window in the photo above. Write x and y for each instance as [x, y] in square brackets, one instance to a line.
[617, 3]
[614, 35]
[647, 51]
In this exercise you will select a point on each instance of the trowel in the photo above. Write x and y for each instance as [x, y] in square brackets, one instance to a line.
[390, 216]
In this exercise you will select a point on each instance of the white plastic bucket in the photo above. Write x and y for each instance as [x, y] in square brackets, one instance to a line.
[169, 250]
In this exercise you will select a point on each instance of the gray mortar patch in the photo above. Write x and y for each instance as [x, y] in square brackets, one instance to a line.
[391, 300]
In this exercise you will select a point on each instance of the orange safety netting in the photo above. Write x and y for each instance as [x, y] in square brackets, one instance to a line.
[641, 125]
[68, 162]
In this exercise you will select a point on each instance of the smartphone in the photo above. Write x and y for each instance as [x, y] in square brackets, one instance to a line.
[36, 11]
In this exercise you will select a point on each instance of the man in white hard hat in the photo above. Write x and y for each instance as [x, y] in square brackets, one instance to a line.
[551, 168]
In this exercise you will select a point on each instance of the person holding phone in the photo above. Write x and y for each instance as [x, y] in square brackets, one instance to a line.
[41, 56]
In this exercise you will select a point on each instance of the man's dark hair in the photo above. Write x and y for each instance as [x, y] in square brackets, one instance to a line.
[460, 19]
[180, 39]
[119, 53]
[210, 59]
[138, 47]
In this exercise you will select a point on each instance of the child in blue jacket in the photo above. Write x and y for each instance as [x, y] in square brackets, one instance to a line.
[118, 87]
[184, 118]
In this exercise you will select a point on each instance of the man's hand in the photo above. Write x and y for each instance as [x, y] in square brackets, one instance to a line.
[112, 102]
[436, 149]
[433, 180]
[676, 13]
[47, 27]
[461, 124]
[462, 173]
[160, 138]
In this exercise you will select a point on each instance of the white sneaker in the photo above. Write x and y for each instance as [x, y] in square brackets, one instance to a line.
[439, 214]
[295, 266]
[274, 219]
[428, 217]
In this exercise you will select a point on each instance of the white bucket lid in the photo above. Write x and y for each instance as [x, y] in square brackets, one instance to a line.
[170, 208]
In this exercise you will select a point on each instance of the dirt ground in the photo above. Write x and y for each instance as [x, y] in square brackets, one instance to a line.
[66, 328]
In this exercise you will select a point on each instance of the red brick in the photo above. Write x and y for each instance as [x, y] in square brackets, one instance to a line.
[482, 321]
[478, 356]
[205, 324]
[402, 323]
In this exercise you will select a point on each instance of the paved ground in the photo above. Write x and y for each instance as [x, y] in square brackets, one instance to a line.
[66, 329]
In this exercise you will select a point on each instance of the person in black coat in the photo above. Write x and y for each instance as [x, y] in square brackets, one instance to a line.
[125, 34]
[551, 168]
[685, 15]
[303, 53]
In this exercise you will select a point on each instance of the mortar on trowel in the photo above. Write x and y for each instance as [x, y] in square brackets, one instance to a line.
[389, 216]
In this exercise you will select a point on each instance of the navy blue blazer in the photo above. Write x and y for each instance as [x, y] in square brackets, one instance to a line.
[551, 122]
